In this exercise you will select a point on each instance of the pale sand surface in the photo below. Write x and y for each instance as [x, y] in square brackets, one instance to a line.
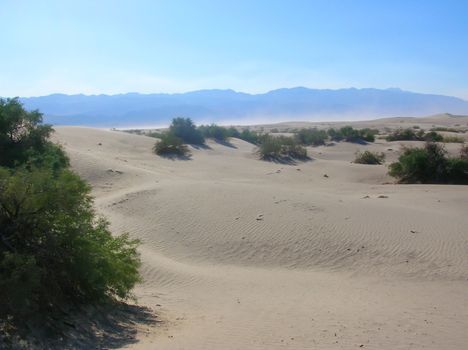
[240, 253]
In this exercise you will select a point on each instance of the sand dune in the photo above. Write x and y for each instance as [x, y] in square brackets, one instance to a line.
[246, 254]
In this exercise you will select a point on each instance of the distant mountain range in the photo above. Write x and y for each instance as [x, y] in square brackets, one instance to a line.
[228, 106]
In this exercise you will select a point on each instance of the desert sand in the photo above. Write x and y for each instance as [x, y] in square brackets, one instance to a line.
[240, 253]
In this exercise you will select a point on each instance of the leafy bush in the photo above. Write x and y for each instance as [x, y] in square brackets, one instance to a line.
[272, 148]
[24, 139]
[349, 134]
[184, 129]
[368, 157]
[54, 250]
[405, 135]
[54, 247]
[410, 135]
[233, 132]
[250, 136]
[429, 165]
[214, 131]
[432, 136]
[170, 144]
[312, 137]
[464, 152]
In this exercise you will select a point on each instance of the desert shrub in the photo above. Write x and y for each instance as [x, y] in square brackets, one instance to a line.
[184, 129]
[335, 134]
[272, 148]
[250, 136]
[405, 135]
[429, 165]
[311, 137]
[233, 132]
[23, 137]
[54, 250]
[457, 170]
[410, 135]
[453, 139]
[170, 144]
[464, 152]
[368, 134]
[214, 131]
[433, 136]
[368, 157]
[349, 134]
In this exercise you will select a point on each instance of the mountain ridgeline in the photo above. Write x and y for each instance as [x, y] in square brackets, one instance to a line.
[205, 106]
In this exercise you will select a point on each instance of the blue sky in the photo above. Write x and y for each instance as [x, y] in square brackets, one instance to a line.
[253, 46]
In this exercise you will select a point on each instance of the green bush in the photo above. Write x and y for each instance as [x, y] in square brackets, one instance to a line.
[464, 152]
[432, 136]
[311, 137]
[53, 244]
[281, 147]
[349, 134]
[24, 139]
[250, 136]
[429, 165]
[410, 135]
[54, 250]
[368, 157]
[214, 131]
[170, 144]
[184, 129]
[405, 135]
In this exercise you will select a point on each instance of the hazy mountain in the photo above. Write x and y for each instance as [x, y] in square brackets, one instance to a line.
[206, 106]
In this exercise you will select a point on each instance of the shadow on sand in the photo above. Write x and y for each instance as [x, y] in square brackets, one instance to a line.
[173, 156]
[106, 327]
[287, 160]
[225, 143]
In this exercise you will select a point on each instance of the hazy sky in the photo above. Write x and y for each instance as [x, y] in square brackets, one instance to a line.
[253, 46]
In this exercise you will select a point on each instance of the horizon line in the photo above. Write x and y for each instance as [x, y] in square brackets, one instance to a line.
[232, 90]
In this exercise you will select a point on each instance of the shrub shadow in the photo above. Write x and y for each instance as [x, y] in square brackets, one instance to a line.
[106, 327]
[198, 147]
[225, 143]
[173, 156]
[287, 160]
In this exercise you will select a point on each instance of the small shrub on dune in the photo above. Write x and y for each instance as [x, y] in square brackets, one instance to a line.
[410, 135]
[405, 135]
[214, 131]
[170, 144]
[433, 136]
[250, 136]
[349, 134]
[368, 157]
[311, 137]
[281, 147]
[184, 129]
[429, 165]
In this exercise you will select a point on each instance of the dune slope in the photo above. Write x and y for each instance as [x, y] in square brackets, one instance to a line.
[246, 254]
